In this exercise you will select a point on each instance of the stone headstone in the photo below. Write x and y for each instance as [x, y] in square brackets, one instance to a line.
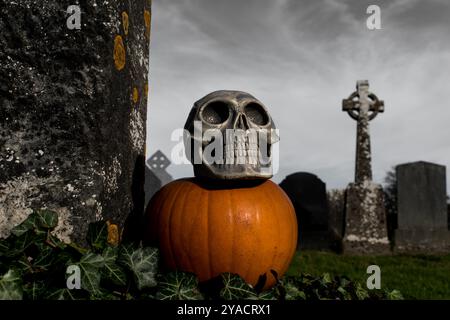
[422, 208]
[365, 214]
[156, 175]
[308, 195]
[73, 103]
[336, 207]
[448, 215]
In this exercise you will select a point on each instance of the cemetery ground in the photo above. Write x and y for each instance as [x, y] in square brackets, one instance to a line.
[415, 276]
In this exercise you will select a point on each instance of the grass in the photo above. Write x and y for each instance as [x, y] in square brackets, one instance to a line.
[417, 277]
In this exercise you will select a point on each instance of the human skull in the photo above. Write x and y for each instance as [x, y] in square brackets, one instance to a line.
[235, 138]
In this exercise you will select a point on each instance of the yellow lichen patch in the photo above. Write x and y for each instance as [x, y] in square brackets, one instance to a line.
[147, 21]
[125, 22]
[135, 95]
[119, 53]
[146, 90]
[113, 234]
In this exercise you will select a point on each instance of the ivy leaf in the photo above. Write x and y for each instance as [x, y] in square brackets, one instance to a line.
[75, 249]
[61, 294]
[90, 265]
[345, 294]
[112, 271]
[293, 293]
[34, 290]
[47, 219]
[361, 294]
[63, 258]
[235, 288]
[326, 279]
[28, 224]
[97, 236]
[54, 242]
[266, 295]
[394, 295]
[105, 295]
[92, 260]
[344, 282]
[8, 249]
[21, 265]
[178, 286]
[143, 263]
[4, 247]
[10, 286]
[40, 220]
[44, 259]
[22, 242]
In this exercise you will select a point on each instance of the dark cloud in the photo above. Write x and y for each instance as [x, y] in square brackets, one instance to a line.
[419, 15]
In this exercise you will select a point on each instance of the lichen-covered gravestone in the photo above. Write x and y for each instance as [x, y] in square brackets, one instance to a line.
[365, 214]
[73, 99]
[336, 207]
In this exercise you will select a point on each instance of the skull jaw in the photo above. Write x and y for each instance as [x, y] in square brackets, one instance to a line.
[233, 172]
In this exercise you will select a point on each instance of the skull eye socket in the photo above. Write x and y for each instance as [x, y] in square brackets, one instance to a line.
[216, 112]
[256, 114]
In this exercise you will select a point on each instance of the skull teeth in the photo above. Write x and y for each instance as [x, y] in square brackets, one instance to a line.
[229, 154]
[244, 150]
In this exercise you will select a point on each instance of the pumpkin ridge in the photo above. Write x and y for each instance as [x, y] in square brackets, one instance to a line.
[293, 225]
[208, 230]
[154, 220]
[233, 236]
[260, 217]
[190, 229]
[254, 260]
[231, 221]
[181, 220]
[274, 208]
[170, 221]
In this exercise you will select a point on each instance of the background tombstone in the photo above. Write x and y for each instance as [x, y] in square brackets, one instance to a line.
[308, 195]
[422, 208]
[336, 207]
[156, 175]
[73, 106]
[448, 215]
[365, 214]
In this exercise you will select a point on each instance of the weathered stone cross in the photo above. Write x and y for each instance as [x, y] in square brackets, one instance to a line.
[363, 106]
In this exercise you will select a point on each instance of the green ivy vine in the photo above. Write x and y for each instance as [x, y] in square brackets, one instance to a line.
[34, 264]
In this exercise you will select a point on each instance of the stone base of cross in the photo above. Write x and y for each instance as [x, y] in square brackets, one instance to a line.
[365, 221]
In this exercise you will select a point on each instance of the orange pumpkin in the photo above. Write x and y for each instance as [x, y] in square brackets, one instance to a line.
[249, 228]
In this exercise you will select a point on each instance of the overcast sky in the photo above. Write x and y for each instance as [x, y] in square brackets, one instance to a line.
[301, 58]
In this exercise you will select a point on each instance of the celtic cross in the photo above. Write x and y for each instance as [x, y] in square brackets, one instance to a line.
[363, 106]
